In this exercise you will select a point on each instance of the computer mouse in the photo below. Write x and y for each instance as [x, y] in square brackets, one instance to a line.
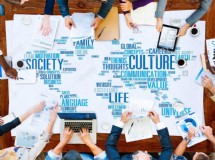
[105, 126]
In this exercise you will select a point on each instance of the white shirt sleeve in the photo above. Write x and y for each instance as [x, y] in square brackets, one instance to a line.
[160, 126]
[120, 124]
[54, 156]
[102, 155]
[1, 53]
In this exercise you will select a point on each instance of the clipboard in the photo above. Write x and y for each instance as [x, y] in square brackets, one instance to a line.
[108, 29]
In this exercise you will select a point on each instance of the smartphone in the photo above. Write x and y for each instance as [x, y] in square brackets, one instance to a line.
[1, 10]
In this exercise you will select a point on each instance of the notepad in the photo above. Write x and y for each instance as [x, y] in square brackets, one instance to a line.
[44, 41]
[108, 29]
[137, 129]
[26, 76]
[140, 108]
[83, 27]
[145, 15]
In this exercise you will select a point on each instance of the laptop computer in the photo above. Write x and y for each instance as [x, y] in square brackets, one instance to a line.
[76, 121]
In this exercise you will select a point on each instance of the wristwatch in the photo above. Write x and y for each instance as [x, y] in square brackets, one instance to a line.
[186, 139]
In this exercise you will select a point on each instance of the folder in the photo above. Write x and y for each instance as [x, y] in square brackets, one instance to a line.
[108, 29]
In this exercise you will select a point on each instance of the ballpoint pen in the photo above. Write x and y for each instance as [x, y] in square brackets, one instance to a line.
[101, 32]
[130, 127]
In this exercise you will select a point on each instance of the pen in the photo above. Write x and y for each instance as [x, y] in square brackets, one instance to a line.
[20, 78]
[101, 32]
[130, 127]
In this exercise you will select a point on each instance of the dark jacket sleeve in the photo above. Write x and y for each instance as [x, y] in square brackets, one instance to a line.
[9, 126]
[166, 144]
[64, 7]
[140, 3]
[111, 144]
[49, 7]
[105, 8]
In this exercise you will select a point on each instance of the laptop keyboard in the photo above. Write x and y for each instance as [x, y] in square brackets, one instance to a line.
[76, 126]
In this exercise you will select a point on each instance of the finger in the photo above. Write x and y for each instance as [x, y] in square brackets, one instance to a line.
[73, 24]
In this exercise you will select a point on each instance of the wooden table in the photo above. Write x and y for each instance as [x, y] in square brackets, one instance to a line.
[152, 145]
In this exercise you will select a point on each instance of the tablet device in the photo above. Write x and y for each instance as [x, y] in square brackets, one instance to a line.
[167, 38]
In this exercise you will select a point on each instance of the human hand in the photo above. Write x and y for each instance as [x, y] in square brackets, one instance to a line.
[126, 116]
[1, 121]
[11, 72]
[54, 112]
[96, 22]
[69, 22]
[129, 21]
[207, 82]
[183, 30]
[154, 117]
[207, 131]
[38, 107]
[159, 24]
[67, 135]
[84, 135]
[191, 132]
[126, 6]
[45, 26]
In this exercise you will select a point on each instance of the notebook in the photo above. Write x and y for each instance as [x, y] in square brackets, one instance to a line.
[145, 15]
[203, 73]
[76, 121]
[26, 76]
[108, 29]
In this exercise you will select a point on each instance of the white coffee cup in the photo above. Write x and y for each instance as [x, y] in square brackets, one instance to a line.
[194, 31]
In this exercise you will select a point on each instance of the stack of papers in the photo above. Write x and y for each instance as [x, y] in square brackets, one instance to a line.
[83, 27]
[140, 108]
[183, 125]
[44, 41]
[137, 129]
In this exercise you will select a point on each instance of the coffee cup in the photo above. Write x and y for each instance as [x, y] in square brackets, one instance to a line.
[20, 64]
[181, 63]
[194, 31]
[178, 106]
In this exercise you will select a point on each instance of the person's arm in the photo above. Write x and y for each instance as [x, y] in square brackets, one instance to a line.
[57, 151]
[163, 134]
[43, 139]
[85, 137]
[11, 125]
[207, 83]
[113, 138]
[198, 14]
[105, 8]
[160, 8]
[208, 132]
[34, 109]
[179, 151]
[64, 7]
[45, 26]
[49, 7]
[10, 72]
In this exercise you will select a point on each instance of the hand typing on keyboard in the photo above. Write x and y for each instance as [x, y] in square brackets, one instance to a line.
[85, 136]
[67, 135]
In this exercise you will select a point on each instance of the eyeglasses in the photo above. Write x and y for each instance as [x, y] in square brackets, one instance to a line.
[134, 155]
[13, 1]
